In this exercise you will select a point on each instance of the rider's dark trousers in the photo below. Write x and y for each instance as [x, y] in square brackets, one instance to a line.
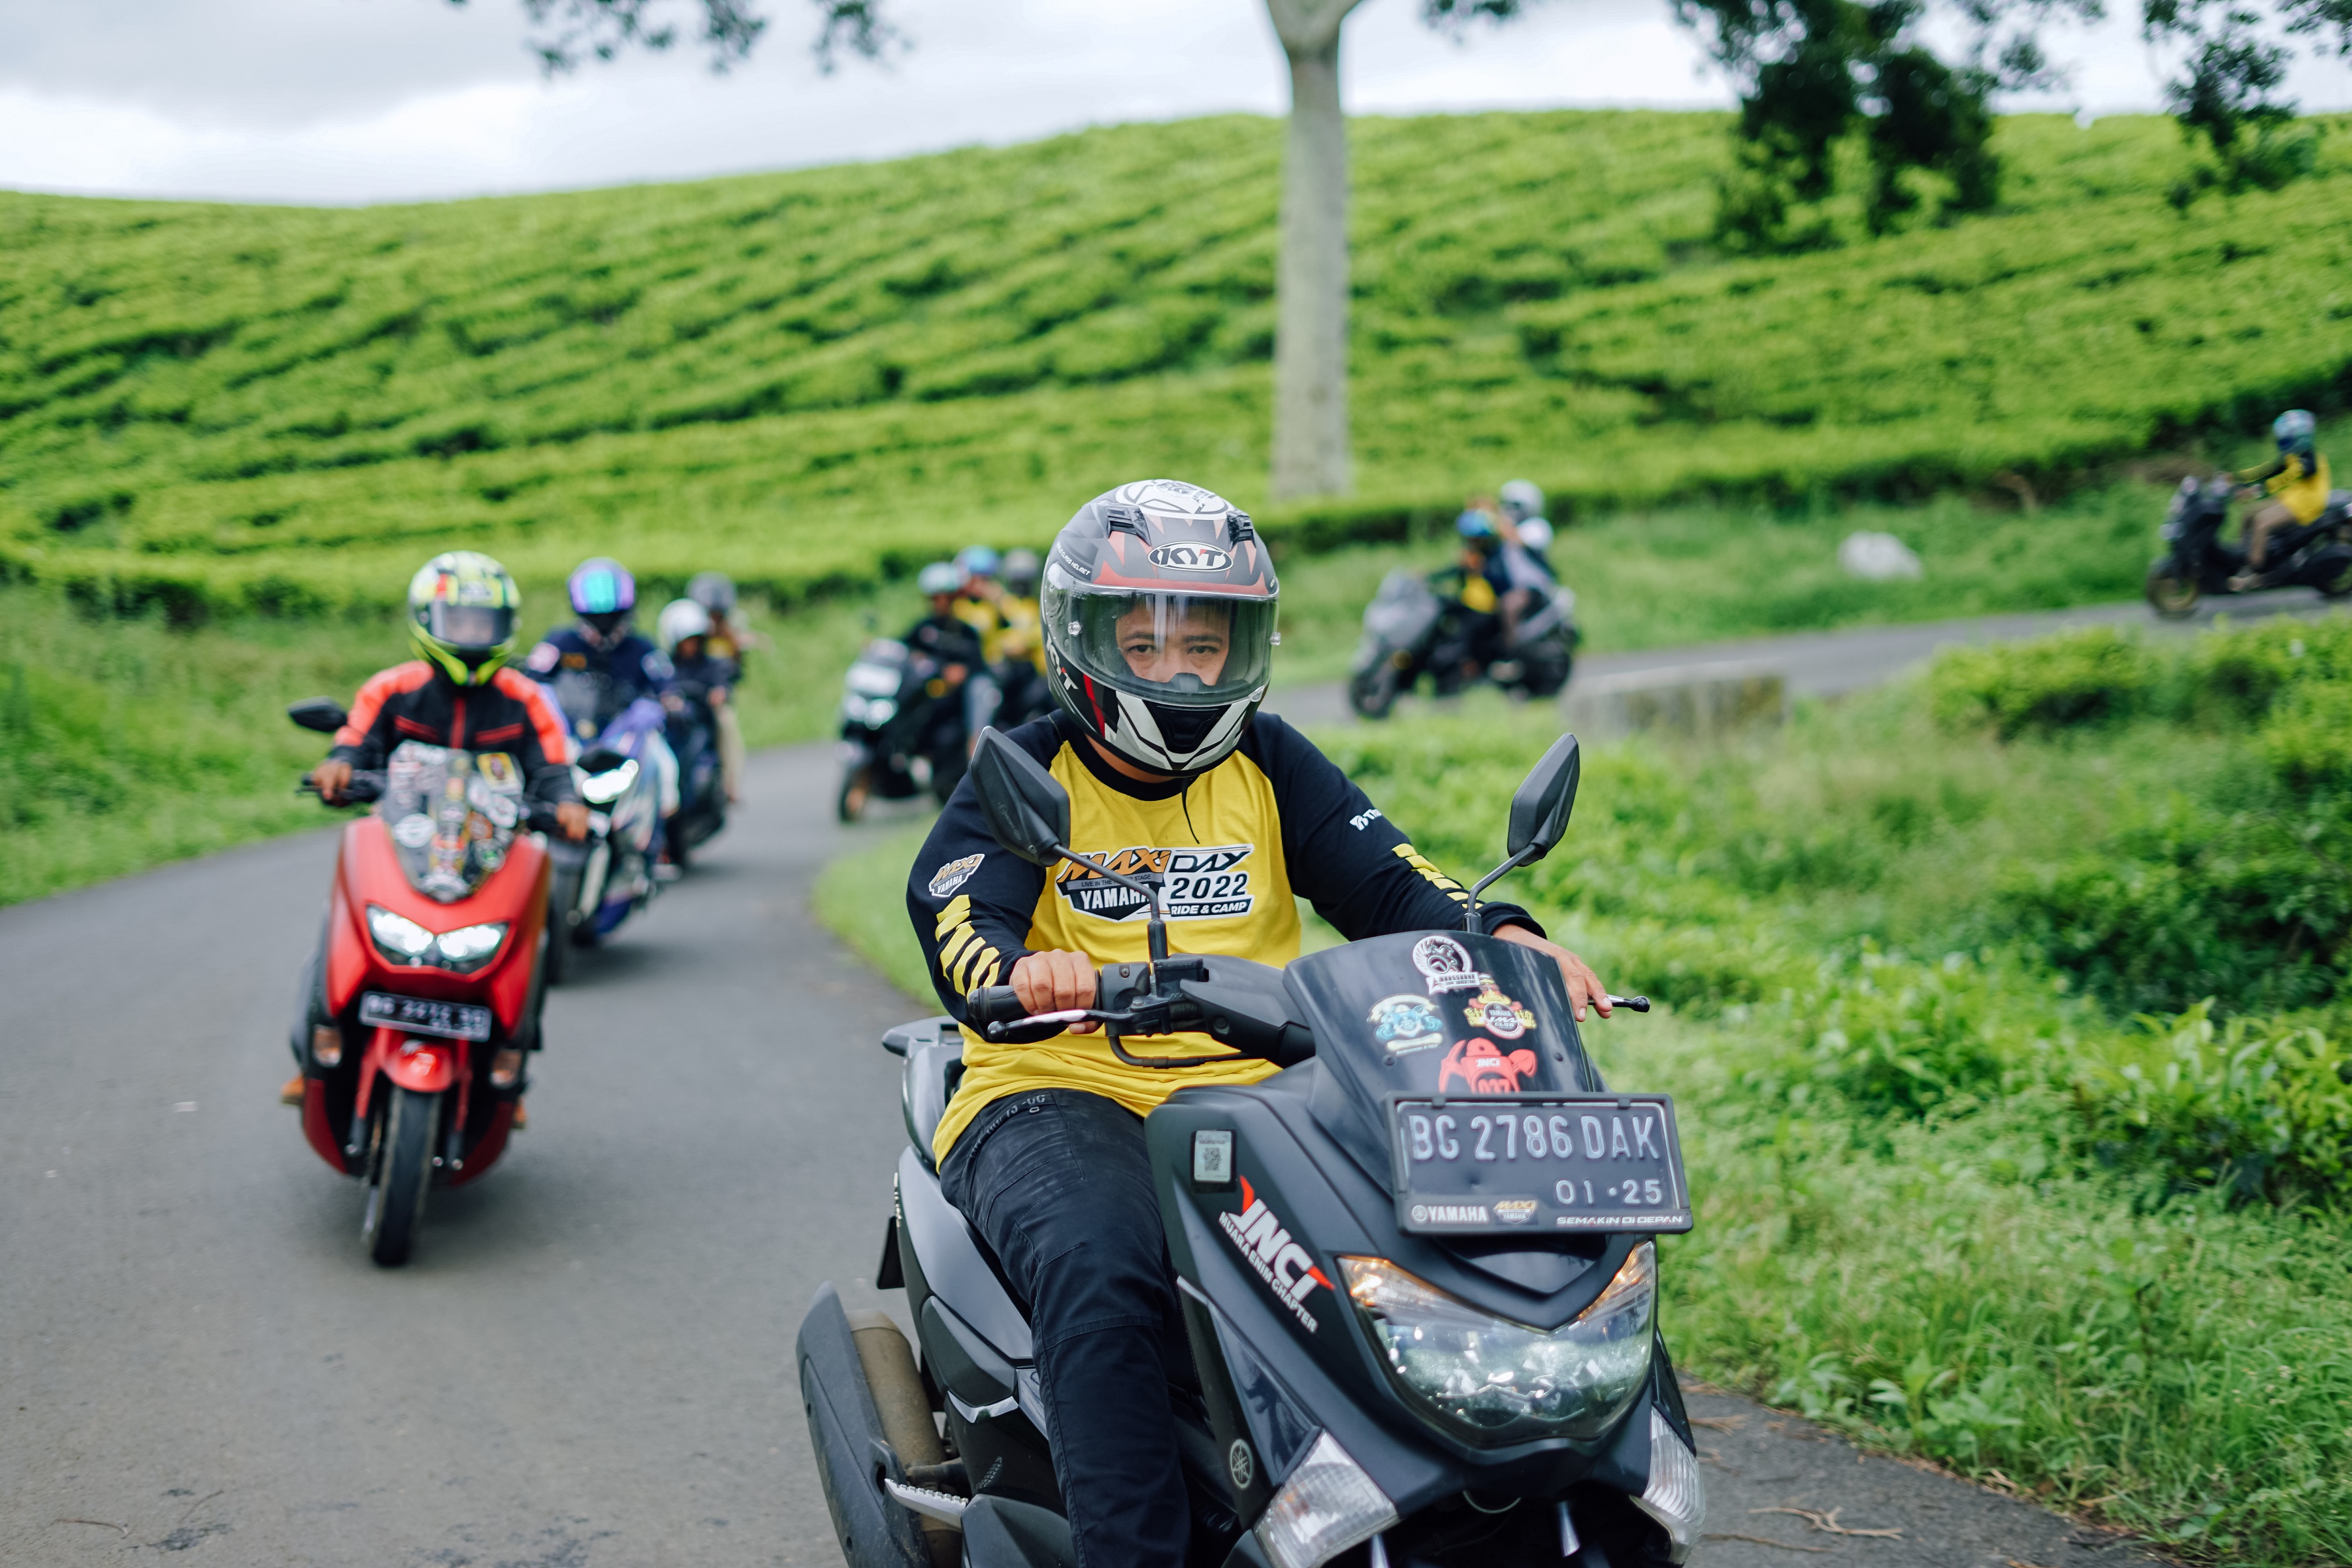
[1057, 1183]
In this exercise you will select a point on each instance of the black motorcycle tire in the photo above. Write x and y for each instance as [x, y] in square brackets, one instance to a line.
[1373, 692]
[856, 789]
[1548, 669]
[2331, 572]
[401, 1174]
[556, 961]
[2171, 591]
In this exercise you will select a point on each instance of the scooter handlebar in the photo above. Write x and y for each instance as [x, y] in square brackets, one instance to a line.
[364, 788]
[994, 1005]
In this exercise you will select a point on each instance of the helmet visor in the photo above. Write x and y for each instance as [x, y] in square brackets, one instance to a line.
[1186, 649]
[477, 627]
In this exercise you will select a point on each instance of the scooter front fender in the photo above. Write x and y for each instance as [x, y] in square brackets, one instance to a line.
[421, 1065]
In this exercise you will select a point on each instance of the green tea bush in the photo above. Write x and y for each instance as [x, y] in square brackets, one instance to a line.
[1895, 1035]
[2256, 1108]
[2094, 675]
[819, 377]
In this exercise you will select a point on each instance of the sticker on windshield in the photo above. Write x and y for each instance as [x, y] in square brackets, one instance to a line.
[413, 831]
[1482, 1067]
[1496, 1013]
[954, 875]
[1406, 1024]
[1445, 964]
[1201, 883]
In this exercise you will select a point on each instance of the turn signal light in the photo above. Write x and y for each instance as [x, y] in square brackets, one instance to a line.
[327, 1045]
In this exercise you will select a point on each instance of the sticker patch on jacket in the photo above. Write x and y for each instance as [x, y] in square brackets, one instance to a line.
[954, 875]
[1201, 883]
[1288, 1268]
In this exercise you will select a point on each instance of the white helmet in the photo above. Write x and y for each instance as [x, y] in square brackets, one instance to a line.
[681, 619]
[1522, 499]
[1534, 532]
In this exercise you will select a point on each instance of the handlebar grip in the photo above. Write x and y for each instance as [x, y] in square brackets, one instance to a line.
[994, 1004]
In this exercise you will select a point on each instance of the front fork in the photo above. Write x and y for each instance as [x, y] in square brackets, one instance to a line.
[423, 1066]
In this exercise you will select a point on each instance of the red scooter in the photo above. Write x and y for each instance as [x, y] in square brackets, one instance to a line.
[429, 979]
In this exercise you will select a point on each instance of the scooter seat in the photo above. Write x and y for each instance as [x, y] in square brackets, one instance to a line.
[934, 1051]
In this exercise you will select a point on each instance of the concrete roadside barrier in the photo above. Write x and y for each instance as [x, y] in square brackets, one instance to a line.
[1697, 700]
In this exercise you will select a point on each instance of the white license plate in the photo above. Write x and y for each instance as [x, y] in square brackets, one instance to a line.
[1539, 1163]
[424, 1016]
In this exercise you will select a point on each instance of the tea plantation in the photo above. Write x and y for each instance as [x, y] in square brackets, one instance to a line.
[808, 378]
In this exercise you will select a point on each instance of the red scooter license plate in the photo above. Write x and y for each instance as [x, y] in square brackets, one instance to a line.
[422, 1016]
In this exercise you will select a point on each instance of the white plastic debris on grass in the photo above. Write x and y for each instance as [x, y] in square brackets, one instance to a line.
[1878, 558]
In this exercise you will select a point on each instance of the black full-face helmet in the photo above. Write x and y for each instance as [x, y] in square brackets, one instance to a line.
[1159, 611]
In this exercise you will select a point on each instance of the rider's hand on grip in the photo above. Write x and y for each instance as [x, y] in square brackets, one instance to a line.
[994, 1005]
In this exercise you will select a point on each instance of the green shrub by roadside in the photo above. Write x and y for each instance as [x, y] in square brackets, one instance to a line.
[2083, 677]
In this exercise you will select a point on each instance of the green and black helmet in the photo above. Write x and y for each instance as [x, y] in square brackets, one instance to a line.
[462, 609]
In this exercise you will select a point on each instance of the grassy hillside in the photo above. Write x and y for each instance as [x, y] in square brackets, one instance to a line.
[805, 377]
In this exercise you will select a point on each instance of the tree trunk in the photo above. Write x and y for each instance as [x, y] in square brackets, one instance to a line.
[1310, 341]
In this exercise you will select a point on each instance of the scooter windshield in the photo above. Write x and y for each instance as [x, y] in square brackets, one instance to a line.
[452, 815]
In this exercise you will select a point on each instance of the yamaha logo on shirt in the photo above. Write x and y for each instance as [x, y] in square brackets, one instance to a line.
[1201, 883]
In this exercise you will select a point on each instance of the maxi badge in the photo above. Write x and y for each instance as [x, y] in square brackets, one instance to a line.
[1496, 1013]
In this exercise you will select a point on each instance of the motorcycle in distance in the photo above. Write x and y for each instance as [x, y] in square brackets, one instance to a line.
[2196, 562]
[624, 775]
[693, 733]
[898, 736]
[1417, 1268]
[1410, 630]
[432, 964]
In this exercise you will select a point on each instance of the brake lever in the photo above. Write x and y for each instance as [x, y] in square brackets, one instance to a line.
[1066, 1016]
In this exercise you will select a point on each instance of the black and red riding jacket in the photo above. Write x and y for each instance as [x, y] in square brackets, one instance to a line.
[414, 702]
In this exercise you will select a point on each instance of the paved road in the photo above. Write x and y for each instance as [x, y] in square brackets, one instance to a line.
[1825, 664]
[588, 1363]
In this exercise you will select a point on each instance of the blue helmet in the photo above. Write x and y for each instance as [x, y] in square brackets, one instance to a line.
[979, 561]
[603, 592]
[2296, 431]
[1475, 524]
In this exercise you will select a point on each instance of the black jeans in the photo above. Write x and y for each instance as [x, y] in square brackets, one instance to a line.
[1057, 1183]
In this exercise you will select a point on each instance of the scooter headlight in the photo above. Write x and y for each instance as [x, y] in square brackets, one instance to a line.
[1496, 1381]
[604, 788]
[462, 951]
[469, 947]
[401, 939]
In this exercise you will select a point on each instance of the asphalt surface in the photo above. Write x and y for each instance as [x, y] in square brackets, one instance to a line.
[589, 1360]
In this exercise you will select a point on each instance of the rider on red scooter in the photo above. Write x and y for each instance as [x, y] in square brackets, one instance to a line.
[457, 692]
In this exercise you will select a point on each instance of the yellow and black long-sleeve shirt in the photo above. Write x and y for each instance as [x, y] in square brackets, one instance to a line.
[2297, 482]
[1274, 819]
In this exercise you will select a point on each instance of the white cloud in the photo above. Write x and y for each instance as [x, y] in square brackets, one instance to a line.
[349, 101]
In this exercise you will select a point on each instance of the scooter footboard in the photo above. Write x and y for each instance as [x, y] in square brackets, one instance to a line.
[852, 1454]
[999, 1532]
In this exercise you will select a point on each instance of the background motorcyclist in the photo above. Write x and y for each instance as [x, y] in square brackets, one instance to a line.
[1522, 504]
[601, 641]
[2296, 480]
[457, 692]
[947, 637]
[729, 639]
[699, 678]
[1017, 654]
[977, 606]
[1158, 675]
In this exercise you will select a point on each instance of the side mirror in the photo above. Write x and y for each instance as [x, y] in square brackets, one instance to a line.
[1027, 811]
[324, 714]
[603, 759]
[1540, 806]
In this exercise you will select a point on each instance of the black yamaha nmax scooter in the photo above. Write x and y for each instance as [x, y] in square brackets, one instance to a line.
[1417, 1266]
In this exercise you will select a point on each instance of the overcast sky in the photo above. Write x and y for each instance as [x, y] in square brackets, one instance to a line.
[359, 100]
